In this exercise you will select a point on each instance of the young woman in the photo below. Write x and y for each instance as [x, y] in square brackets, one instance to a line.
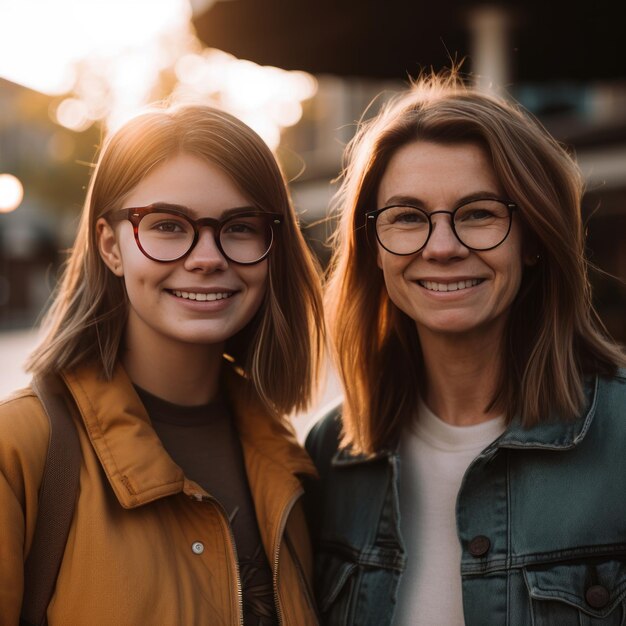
[477, 474]
[181, 345]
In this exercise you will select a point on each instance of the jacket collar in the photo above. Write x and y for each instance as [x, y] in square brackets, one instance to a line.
[267, 434]
[550, 434]
[554, 433]
[136, 463]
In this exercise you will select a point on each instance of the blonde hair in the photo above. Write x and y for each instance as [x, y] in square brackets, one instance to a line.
[554, 336]
[280, 349]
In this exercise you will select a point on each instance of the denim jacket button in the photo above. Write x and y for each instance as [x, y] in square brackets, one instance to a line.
[597, 596]
[479, 545]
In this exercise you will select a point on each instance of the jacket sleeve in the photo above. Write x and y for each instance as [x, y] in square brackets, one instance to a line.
[322, 441]
[24, 433]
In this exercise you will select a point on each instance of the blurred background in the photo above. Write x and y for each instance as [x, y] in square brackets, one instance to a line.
[301, 73]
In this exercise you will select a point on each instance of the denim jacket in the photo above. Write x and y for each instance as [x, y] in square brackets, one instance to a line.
[541, 519]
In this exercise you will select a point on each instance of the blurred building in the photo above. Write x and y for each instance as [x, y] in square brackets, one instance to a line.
[37, 152]
[27, 239]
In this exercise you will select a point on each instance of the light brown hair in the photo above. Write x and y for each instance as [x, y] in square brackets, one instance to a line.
[554, 336]
[280, 348]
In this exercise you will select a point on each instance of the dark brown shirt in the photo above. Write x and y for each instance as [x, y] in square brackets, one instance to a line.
[204, 442]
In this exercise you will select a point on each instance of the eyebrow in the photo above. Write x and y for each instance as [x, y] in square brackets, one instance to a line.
[194, 214]
[415, 201]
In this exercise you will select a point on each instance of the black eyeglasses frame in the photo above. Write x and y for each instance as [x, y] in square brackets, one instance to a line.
[372, 216]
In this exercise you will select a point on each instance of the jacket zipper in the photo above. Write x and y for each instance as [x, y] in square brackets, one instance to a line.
[224, 520]
[305, 584]
[277, 542]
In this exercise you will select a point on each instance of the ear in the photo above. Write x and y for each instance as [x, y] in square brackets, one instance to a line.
[108, 247]
[531, 249]
[531, 255]
[530, 260]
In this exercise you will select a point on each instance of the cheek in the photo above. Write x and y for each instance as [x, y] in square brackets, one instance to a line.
[132, 260]
[393, 268]
[256, 277]
[140, 273]
[511, 272]
[396, 287]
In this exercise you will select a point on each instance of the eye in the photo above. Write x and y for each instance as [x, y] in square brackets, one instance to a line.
[481, 212]
[169, 226]
[403, 216]
[475, 214]
[240, 227]
[408, 217]
[243, 227]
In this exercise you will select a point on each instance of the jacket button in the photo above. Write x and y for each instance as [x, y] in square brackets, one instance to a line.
[479, 545]
[197, 547]
[597, 596]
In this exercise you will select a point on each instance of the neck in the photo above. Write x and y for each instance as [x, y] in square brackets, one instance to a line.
[461, 375]
[184, 374]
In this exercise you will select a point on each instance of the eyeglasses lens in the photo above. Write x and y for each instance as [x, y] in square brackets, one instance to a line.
[483, 224]
[246, 239]
[402, 229]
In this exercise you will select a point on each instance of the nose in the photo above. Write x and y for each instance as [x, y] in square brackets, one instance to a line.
[443, 244]
[205, 255]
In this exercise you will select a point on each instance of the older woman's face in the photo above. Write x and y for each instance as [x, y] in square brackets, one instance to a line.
[446, 287]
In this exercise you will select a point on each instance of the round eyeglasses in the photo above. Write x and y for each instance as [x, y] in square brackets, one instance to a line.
[165, 233]
[480, 225]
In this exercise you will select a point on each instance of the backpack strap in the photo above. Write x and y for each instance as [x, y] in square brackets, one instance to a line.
[57, 498]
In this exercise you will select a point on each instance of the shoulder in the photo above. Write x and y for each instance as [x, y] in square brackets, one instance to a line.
[619, 380]
[24, 433]
[611, 397]
[322, 442]
[612, 392]
[22, 412]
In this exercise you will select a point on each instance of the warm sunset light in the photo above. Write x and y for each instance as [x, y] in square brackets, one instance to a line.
[105, 60]
[11, 193]
[266, 98]
[43, 42]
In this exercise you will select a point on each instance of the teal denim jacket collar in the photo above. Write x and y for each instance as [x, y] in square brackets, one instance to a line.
[551, 434]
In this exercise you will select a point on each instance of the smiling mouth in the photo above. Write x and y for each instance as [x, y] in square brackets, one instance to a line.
[454, 286]
[202, 297]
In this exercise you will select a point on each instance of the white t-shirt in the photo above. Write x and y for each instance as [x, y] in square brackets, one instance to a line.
[433, 459]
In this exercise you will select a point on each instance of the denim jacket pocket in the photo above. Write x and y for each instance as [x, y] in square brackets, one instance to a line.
[336, 576]
[578, 592]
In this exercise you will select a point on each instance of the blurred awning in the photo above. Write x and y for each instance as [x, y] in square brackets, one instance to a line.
[562, 39]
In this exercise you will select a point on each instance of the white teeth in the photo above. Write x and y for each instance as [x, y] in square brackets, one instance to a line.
[201, 297]
[461, 284]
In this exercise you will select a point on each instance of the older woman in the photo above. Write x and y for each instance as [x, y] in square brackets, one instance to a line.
[477, 472]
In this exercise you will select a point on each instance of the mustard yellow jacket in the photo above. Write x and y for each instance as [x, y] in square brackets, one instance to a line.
[129, 557]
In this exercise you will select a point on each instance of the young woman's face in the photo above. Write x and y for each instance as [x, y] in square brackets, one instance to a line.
[202, 298]
[446, 287]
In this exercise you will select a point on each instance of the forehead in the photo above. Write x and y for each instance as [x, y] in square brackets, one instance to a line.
[189, 181]
[438, 172]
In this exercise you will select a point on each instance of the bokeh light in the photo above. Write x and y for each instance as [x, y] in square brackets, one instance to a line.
[73, 114]
[104, 60]
[266, 98]
[11, 193]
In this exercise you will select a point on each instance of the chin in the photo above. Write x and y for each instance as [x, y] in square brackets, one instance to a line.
[202, 337]
[445, 325]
